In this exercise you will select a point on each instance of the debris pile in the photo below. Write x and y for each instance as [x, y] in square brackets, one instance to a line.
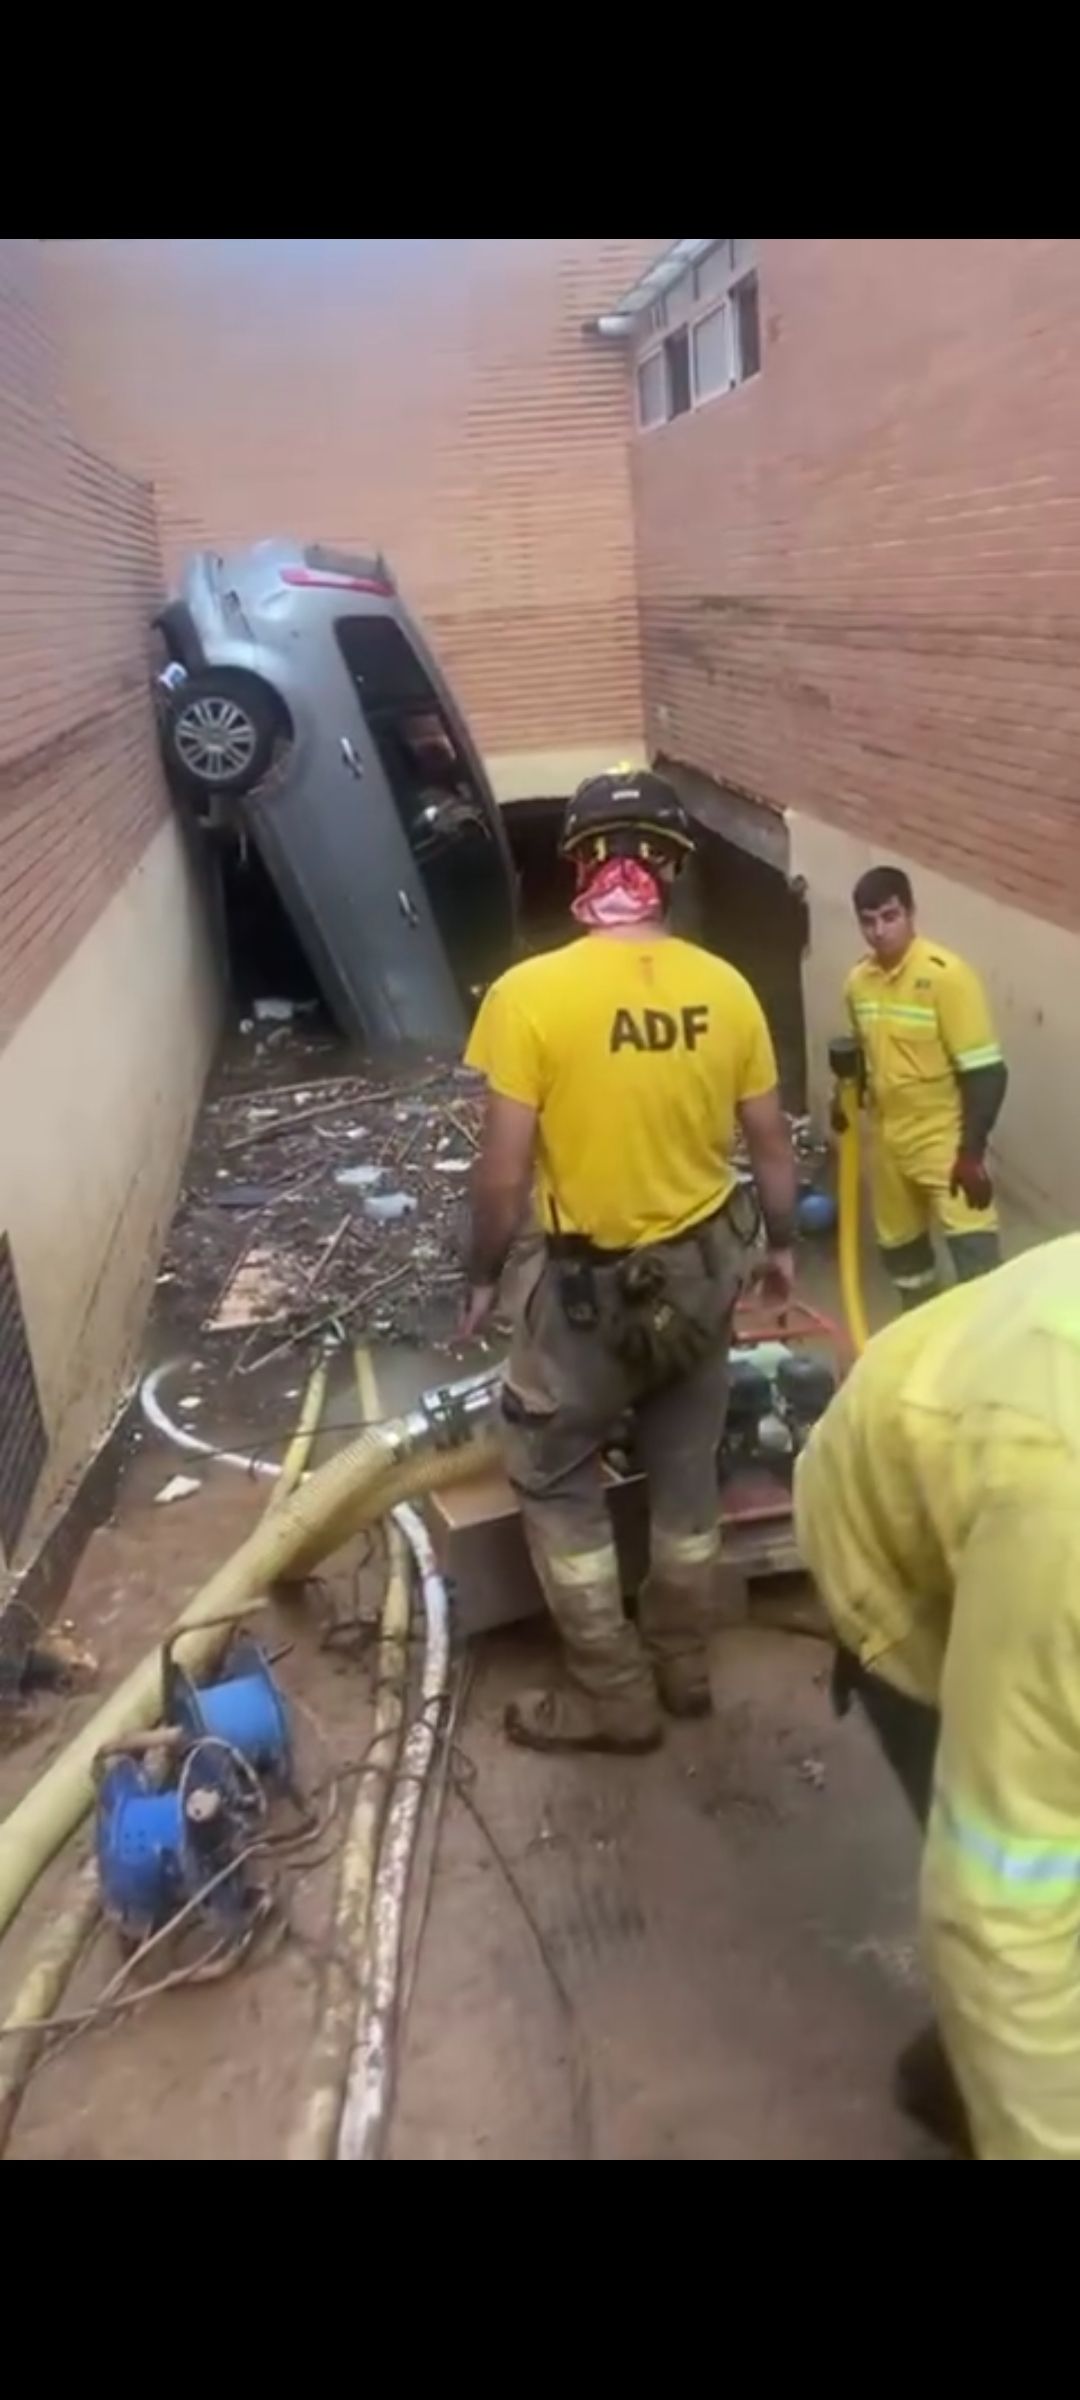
[326, 1205]
[336, 1204]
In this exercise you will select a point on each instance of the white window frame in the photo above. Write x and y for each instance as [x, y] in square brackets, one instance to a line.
[659, 350]
[685, 308]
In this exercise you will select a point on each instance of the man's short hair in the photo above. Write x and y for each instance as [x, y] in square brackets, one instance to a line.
[879, 885]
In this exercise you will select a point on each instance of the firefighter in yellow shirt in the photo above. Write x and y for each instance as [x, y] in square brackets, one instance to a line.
[617, 1069]
[937, 1505]
[934, 1084]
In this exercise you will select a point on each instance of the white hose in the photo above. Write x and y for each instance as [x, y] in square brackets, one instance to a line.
[370, 2083]
[193, 1442]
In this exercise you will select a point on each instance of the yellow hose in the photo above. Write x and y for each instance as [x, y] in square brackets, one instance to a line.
[358, 1484]
[315, 2132]
[296, 1457]
[42, 1986]
[849, 1200]
[54, 1959]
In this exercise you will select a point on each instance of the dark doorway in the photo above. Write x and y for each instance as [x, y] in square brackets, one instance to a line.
[262, 953]
[747, 912]
[545, 881]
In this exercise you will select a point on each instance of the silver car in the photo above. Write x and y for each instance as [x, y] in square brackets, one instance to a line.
[301, 697]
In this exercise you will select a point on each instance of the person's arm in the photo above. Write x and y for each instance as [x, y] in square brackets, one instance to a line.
[504, 1048]
[1001, 1871]
[967, 1031]
[982, 1091]
[768, 1140]
[499, 1195]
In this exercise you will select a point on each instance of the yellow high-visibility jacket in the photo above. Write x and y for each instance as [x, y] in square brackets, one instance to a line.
[920, 1025]
[938, 1508]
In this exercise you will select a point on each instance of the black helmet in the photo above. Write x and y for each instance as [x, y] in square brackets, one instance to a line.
[626, 813]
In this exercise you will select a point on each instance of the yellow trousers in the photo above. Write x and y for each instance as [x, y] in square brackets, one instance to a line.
[909, 1193]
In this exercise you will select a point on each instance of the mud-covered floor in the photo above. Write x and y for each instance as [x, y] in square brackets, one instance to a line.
[703, 1954]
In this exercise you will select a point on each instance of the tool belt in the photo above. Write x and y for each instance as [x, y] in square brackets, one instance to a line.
[648, 1329]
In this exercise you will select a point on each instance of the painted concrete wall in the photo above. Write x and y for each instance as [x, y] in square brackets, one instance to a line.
[108, 997]
[1032, 973]
[99, 1087]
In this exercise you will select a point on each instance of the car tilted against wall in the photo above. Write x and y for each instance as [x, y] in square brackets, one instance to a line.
[301, 704]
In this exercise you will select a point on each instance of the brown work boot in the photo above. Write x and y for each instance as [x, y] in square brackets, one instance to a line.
[669, 1620]
[683, 1684]
[577, 1720]
[609, 1700]
[925, 2088]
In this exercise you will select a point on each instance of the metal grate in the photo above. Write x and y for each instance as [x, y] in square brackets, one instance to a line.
[23, 1439]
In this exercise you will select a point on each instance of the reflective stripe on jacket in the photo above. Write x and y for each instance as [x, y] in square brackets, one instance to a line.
[920, 1025]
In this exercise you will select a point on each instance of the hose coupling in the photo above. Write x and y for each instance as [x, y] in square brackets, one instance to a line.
[451, 1409]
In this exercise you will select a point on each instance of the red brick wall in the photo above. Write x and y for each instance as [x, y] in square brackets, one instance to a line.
[860, 573]
[438, 398]
[80, 783]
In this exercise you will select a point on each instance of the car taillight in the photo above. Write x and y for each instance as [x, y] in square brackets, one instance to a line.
[309, 578]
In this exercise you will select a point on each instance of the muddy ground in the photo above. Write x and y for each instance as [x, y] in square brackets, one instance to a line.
[707, 1953]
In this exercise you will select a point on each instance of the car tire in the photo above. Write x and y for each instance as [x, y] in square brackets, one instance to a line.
[221, 729]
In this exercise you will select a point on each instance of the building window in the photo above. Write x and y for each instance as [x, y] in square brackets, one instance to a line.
[712, 353]
[718, 347]
[651, 390]
[712, 273]
[747, 328]
[677, 363]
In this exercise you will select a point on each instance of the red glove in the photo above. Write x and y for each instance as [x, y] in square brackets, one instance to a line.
[970, 1176]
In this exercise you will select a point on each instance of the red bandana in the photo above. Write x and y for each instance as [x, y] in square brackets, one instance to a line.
[620, 892]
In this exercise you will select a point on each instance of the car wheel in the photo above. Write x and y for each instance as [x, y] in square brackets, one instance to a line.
[221, 730]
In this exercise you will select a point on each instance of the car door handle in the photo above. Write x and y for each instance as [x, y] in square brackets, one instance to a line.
[408, 908]
[352, 761]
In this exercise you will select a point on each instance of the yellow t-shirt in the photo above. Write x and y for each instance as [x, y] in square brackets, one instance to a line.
[920, 1025]
[635, 1055]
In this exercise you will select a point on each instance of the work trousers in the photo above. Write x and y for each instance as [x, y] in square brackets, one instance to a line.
[909, 1190]
[566, 1391]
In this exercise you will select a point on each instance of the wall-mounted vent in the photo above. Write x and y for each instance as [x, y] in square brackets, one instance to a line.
[23, 1439]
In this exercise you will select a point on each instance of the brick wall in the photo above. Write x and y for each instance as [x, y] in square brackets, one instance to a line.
[436, 397]
[80, 784]
[860, 573]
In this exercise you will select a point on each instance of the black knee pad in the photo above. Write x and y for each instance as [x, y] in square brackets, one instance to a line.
[974, 1254]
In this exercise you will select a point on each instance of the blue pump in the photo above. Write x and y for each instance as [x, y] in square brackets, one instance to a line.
[815, 1211]
[246, 1710]
[156, 1848]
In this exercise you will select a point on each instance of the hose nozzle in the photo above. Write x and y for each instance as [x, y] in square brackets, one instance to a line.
[846, 1064]
[844, 1058]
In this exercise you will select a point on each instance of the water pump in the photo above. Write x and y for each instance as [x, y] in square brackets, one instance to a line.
[245, 1710]
[804, 1386]
[164, 1834]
